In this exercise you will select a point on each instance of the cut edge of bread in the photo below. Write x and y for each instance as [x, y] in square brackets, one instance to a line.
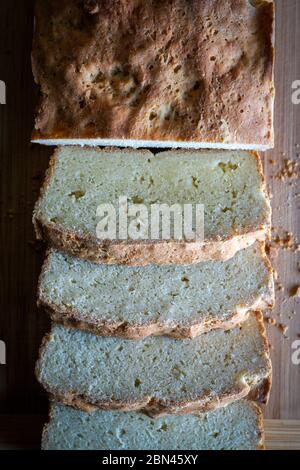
[143, 252]
[136, 144]
[70, 317]
[257, 390]
[254, 406]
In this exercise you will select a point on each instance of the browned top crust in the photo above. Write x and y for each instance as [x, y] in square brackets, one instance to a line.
[168, 70]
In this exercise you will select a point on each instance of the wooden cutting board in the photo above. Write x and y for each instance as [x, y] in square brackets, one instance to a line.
[22, 167]
[282, 434]
[284, 186]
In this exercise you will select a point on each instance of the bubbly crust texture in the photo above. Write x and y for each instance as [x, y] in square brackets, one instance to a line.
[142, 252]
[71, 313]
[236, 427]
[256, 386]
[135, 70]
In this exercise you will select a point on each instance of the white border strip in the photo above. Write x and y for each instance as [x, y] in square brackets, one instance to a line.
[151, 144]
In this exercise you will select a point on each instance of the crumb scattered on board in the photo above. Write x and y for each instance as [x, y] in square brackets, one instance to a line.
[290, 170]
[284, 170]
[282, 240]
[283, 328]
[271, 321]
[296, 292]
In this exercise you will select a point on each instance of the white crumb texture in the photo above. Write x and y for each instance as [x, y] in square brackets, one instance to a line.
[234, 427]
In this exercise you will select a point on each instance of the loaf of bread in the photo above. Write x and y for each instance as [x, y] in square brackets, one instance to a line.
[238, 426]
[174, 300]
[177, 73]
[156, 374]
[229, 185]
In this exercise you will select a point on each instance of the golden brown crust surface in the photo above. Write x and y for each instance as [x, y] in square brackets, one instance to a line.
[173, 70]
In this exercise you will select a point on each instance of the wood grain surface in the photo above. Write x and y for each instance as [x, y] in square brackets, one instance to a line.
[285, 397]
[282, 434]
[22, 167]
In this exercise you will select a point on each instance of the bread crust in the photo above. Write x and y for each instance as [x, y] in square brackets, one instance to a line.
[155, 407]
[135, 331]
[256, 409]
[260, 425]
[70, 317]
[143, 252]
[175, 78]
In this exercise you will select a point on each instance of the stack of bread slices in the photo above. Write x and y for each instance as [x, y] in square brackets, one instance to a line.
[157, 343]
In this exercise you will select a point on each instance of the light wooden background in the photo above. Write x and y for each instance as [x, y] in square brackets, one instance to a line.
[285, 398]
[21, 169]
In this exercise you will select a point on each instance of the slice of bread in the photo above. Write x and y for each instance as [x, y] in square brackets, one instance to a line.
[238, 426]
[158, 375]
[176, 73]
[230, 186]
[179, 301]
